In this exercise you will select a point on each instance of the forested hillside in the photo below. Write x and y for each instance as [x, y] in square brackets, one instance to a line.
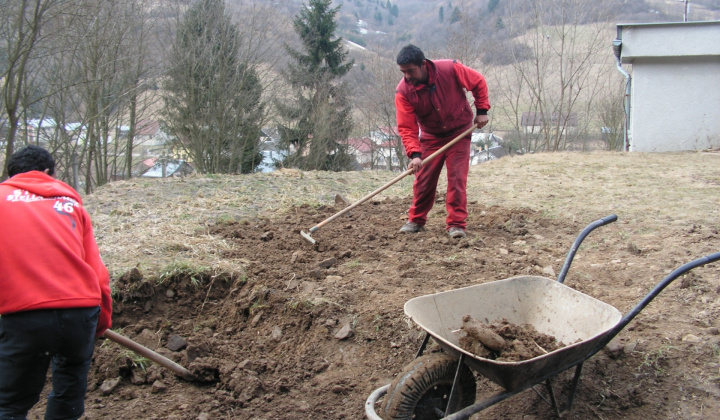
[107, 84]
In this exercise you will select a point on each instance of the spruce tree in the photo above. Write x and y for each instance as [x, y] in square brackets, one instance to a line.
[317, 122]
[213, 100]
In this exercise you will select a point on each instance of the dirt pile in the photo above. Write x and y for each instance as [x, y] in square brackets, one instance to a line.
[505, 341]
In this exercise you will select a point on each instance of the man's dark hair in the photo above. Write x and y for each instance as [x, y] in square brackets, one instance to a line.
[31, 158]
[410, 54]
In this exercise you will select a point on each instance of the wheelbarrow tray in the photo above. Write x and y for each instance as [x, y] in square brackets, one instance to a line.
[577, 320]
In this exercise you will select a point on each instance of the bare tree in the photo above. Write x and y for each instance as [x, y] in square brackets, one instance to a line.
[375, 101]
[557, 88]
[612, 115]
[21, 35]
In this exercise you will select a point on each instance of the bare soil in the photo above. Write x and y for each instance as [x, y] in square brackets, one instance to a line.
[309, 331]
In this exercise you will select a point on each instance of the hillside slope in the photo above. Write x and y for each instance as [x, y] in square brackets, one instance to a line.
[217, 261]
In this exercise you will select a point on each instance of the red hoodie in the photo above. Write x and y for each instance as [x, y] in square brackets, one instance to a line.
[48, 254]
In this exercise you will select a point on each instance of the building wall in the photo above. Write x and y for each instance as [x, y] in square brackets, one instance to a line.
[675, 96]
[675, 104]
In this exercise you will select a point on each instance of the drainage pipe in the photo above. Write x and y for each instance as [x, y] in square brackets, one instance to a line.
[617, 49]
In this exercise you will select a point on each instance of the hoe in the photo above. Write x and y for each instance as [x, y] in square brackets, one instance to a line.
[313, 229]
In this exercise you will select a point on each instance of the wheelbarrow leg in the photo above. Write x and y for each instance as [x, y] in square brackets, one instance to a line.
[553, 401]
[421, 350]
[573, 387]
[453, 390]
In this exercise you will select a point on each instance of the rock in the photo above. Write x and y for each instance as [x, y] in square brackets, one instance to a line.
[615, 350]
[203, 416]
[139, 377]
[337, 389]
[256, 319]
[246, 386]
[690, 338]
[327, 263]
[276, 333]
[109, 385]
[247, 364]
[267, 236]
[295, 257]
[176, 343]
[169, 293]
[341, 202]
[154, 373]
[549, 271]
[148, 339]
[503, 251]
[333, 279]
[345, 332]
[346, 254]
[317, 273]
[303, 407]
[480, 332]
[193, 352]
[158, 386]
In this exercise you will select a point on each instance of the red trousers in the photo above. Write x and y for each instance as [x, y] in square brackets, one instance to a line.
[457, 162]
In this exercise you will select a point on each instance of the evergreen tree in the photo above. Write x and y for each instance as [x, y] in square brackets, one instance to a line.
[492, 4]
[320, 117]
[455, 16]
[441, 14]
[394, 10]
[213, 101]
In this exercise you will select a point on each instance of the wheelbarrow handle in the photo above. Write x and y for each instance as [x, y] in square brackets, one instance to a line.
[656, 291]
[581, 237]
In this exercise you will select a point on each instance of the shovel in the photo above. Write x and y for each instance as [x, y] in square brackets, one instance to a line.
[313, 229]
[146, 352]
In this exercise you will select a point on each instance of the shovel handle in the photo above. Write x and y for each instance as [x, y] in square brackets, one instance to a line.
[393, 181]
[146, 352]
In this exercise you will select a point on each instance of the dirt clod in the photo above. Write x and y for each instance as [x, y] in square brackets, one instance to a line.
[505, 341]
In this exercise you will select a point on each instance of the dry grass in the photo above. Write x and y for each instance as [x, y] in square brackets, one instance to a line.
[154, 223]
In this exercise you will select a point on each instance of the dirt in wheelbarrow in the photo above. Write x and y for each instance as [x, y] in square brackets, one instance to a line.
[505, 341]
[296, 331]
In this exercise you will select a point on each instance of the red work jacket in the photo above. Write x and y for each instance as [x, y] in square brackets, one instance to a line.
[438, 110]
[48, 255]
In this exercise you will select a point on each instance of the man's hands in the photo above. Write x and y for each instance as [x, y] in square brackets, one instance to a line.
[481, 120]
[415, 164]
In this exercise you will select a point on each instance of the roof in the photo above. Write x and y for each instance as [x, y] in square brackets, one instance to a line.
[147, 128]
[271, 132]
[361, 144]
[171, 167]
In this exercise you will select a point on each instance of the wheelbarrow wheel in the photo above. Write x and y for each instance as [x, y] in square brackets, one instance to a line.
[422, 390]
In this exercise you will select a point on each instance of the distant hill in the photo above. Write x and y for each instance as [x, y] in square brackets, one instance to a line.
[383, 25]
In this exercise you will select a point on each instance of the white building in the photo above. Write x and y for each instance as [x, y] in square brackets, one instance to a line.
[674, 85]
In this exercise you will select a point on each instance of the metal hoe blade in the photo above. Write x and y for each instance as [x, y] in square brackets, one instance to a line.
[307, 237]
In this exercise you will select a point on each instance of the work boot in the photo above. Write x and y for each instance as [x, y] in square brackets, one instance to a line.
[411, 227]
[456, 232]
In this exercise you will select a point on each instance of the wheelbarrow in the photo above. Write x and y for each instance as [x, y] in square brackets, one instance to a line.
[442, 385]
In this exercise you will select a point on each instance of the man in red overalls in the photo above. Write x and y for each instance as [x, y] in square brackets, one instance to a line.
[432, 110]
